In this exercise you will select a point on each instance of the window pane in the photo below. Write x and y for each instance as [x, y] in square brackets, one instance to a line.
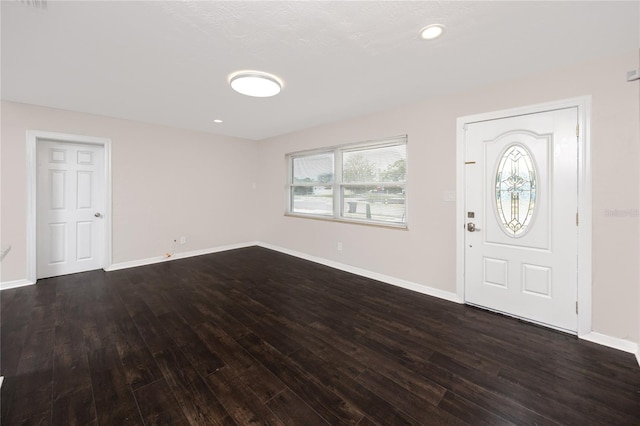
[376, 203]
[515, 190]
[384, 164]
[316, 168]
[312, 200]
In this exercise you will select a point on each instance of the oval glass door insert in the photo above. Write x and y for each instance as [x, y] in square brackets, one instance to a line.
[515, 190]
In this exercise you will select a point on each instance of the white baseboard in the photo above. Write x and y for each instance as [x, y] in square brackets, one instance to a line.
[430, 291]
[638, 356]
[612, 342]
[175, 256]
[15, 284]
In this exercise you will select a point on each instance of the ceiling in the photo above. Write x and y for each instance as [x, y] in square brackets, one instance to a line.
[168, 62]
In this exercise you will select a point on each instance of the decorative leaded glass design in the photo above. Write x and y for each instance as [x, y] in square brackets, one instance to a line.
[515, 190]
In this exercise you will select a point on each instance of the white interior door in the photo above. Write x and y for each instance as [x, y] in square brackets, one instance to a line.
[70, 208]
[521, 203]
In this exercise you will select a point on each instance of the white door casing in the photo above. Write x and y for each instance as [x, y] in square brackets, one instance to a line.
[78, 176]
[541, 271]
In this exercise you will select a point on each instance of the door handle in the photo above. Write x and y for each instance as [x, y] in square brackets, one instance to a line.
[471, 227]
[98, 215]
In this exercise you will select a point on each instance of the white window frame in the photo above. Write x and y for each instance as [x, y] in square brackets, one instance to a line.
[338, 186]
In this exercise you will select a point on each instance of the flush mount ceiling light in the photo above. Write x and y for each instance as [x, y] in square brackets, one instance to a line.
[431, 31]
[217, 121]
[255, 83]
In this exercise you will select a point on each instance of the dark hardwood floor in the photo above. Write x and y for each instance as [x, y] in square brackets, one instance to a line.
[252, 336]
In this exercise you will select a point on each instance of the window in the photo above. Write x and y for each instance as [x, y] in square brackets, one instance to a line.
[515, 190]
[363, 183]
[312, 183]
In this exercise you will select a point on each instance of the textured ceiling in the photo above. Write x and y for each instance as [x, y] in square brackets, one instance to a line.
[168, 62]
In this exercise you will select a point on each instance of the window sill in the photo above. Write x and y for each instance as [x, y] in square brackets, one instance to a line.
[391, 225]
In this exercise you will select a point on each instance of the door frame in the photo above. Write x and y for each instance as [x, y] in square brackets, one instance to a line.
[584, 285]
[35, 136]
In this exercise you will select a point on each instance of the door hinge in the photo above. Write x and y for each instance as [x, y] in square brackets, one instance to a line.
[578, 130]
[576, 307]
[577, 219]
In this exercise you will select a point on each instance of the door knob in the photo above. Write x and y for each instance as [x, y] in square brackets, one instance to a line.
[98, 215]
[471, 227]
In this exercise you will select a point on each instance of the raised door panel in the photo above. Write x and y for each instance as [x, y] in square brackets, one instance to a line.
[536, 280]
[58, 189]
[57, 243]
[84, 236]
[517, 195]
[84, 190]
[496, 272]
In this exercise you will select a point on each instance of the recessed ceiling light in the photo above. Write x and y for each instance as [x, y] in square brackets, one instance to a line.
[255, 83]
[217, 121]
[432, 31]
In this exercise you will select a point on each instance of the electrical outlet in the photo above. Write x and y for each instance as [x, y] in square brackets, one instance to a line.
[340, 246]
[4, 253]
[183, 240]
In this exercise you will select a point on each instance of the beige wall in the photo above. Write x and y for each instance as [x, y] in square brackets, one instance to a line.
[166, 183]
[170, 182]
[425, 254]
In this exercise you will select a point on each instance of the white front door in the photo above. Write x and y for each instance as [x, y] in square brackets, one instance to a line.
[521, 203]
[70, 208]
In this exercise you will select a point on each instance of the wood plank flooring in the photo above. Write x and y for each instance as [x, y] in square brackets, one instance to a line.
[253, 336]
